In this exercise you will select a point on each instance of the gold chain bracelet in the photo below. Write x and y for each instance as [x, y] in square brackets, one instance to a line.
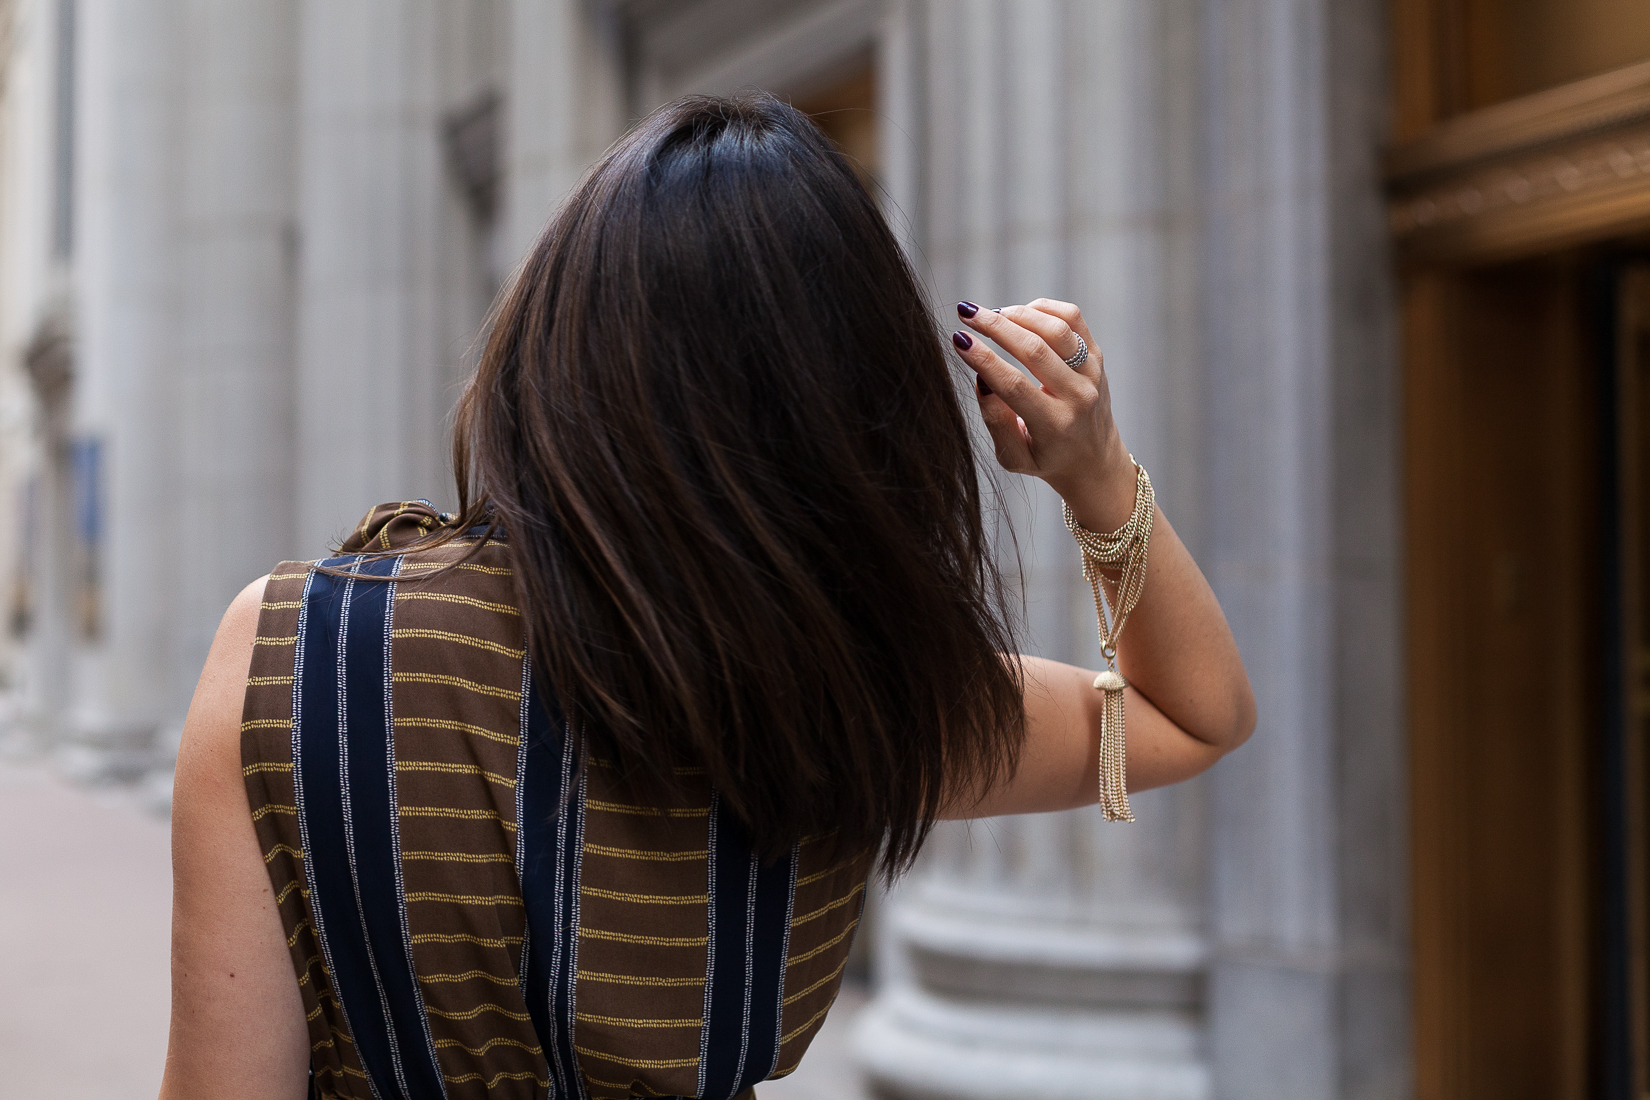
[1125, 547]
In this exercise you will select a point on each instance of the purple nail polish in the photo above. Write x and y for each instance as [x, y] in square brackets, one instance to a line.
[967, 309]
[979, 384]
[962, 340]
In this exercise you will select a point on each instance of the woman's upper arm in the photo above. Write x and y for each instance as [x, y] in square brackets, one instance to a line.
[1060, 763]
[238, 1024]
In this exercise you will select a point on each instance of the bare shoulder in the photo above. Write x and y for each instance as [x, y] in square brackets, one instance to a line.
[210, 751]
[237, 1019]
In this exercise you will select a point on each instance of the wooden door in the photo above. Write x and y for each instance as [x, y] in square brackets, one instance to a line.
[1626, 926]
[1505, 639]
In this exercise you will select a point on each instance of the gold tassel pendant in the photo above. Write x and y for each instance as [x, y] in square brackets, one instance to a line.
[1125, 548]
[1114, 791]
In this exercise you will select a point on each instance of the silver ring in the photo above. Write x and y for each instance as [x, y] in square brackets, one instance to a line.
[1080, 356]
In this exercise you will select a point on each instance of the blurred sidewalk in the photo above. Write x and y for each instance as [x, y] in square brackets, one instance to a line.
[84, 975]
[85, 914]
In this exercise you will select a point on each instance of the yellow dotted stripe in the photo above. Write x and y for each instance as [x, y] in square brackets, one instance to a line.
[270, 855]
[453, 681]
[623, 1086]
[488, 1045]
[826, 873]
[645, 899]
[645, 811]
[266, 724]
[464, 815]
[637, 1063]
[264, 811]
[464, 899]
[472, 1013]
[637, 979]
[454, 769]
[622, 1021]
[448, 597]
[826, 980]
[646, 941]
[460, 639]
[468, 975]
[298, 930]
[266, 766]
[304, 979]
[463, 727]
[494, 570]
[284, 639]
[826, 946]
[457, 857]
[268, 681]
[647, 854]
[465, 937]
[828, 907]
[282, 605]
[804, 1026]
[286, 891]
[489, 1082]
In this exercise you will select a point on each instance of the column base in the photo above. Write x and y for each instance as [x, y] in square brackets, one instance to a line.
[916, 1047]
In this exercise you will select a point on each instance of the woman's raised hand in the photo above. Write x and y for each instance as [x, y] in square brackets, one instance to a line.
[1056, 425]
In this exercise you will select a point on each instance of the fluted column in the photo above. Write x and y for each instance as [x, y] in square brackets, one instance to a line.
[237, 236]
[126, 301]
[1309, 921]
[565, 106]
[376, 361]
[1056, 956]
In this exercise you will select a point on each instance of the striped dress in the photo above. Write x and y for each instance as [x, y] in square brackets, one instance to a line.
[468, 914]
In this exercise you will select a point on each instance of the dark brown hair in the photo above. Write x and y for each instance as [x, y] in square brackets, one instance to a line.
[718, 428]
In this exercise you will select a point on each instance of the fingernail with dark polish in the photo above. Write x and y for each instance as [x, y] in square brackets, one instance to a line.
[962, 340]
[979, 384]
[967, 309]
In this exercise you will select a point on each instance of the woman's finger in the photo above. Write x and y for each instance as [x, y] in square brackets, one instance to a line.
[1013, 388]
[1054, 330]
[1073, 317]
[1009, 437]
[1029, 348]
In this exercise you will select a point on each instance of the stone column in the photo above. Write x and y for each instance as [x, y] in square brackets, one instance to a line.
[566, 104]
[1055, 955]
[125, 296]
[377, 363]
[234, 365]
[1309, 918]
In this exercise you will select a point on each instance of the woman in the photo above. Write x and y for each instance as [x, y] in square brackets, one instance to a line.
[576, 792]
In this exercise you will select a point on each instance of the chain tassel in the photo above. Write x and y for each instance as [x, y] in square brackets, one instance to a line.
[1125, 547]
[1114, 790]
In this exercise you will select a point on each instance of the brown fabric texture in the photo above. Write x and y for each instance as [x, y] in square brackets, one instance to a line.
[643, 918]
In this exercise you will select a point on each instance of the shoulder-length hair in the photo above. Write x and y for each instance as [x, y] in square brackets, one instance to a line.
[718, 427]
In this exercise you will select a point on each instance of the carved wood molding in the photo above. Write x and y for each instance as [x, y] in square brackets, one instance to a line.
[1558, 168]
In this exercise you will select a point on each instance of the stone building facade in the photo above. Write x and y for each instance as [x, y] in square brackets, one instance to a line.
[246, 247]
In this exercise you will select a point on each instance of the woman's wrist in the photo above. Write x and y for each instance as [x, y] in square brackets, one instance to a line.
[1104, 499]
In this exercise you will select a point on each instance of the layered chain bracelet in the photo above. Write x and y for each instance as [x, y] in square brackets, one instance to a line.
[1125, 549]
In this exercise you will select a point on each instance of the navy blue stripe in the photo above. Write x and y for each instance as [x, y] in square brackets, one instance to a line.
[320, 766]
[748, 923]
[369, 745]
[550, 834]
[775, 890]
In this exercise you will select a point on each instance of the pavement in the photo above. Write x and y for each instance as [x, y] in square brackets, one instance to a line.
[85, 917]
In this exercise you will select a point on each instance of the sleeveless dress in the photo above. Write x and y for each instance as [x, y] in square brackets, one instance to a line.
[468, 914]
